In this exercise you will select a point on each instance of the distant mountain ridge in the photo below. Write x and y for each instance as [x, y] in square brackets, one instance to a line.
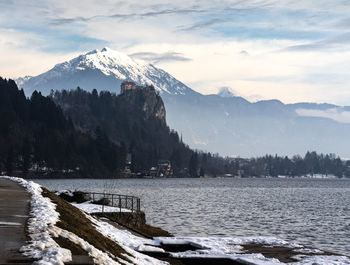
[223, 123]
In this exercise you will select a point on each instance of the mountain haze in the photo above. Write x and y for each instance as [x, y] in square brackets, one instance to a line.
[222, 123]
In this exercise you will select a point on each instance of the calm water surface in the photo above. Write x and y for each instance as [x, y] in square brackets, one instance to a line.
[312, 212]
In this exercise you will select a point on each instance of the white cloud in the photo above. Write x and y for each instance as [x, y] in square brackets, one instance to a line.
[264, 74]
[336, 114]
[18, 58]
[205, 59]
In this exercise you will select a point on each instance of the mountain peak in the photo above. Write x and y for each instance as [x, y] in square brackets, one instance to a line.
[105, 49]
[95, 51]
[226, 92]
[103, 69]
[92, 52]
[109, 62]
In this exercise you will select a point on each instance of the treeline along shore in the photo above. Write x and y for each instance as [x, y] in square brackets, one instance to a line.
[89, 134]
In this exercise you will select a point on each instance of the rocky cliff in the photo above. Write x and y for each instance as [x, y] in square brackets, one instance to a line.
[142, 99]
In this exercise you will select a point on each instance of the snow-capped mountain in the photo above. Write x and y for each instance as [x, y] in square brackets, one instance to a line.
[225, 92]
[21, 80]
[222, 123]
[104, 70]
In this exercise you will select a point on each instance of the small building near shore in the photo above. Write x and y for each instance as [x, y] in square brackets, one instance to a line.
[162, 170]
[128, 163]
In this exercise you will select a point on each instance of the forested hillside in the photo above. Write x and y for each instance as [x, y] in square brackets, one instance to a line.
[311, 164]
[134, 120]
[37, 139]
[90, 134]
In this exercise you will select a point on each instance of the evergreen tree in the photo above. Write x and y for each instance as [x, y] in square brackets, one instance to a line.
[26, 151]
[193, 165]
[9, 162]
[201, 172]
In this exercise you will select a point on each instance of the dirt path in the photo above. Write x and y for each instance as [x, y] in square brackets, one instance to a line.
[14, 211]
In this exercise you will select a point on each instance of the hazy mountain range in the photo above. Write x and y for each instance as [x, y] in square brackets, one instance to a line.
[222, 123]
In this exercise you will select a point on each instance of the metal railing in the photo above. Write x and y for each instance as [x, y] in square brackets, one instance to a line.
[121, 202]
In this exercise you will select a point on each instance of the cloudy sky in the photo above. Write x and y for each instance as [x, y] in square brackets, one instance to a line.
[289, 50]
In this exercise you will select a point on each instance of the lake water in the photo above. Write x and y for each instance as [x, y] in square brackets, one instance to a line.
[313, 212]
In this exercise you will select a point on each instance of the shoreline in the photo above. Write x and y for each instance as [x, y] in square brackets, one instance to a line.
[55, 235]
[282, 192]
[287, 252]
[135, 222]
[159, 178]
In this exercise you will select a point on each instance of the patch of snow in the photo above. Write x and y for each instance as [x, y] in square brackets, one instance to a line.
[149, 248]
[10, 223]
[21, 80]
[316, 260]
[312, 176]
[256, 259]
[320, 176]
[66, 192]
[308, 251]
[231, 248]
[98, 256]
[43, 217]
[226, 92]
[20, 216]
[225, 243]
[42, 228]
[90, 207]
[130, 242]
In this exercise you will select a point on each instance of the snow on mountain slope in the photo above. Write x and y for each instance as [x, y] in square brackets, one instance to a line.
[221, 123]
[21, 80]
[103, 70]
[225, 92]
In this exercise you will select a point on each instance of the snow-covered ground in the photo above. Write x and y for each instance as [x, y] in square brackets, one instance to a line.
[45, 250]
[90, 207]
[41, 222]
[312, 176]
[42, 228]
[320, 176]
[231, 248]
[214, 247]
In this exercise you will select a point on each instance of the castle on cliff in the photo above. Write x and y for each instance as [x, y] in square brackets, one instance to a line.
[128, 85]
